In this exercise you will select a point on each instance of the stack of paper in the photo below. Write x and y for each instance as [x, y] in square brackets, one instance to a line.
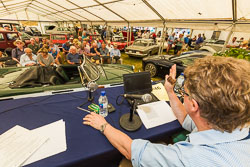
[20, 146]
[155, 114]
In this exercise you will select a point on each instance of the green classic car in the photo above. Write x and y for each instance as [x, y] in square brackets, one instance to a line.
[25, 80]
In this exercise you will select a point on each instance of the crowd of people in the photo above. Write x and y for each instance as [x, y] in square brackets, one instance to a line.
[46, 53]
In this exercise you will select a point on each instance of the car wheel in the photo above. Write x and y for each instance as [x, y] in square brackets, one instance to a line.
[151, 68]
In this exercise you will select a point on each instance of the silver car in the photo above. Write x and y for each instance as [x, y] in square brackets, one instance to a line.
[142, 48]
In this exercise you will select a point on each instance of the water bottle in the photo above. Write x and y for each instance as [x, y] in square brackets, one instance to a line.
[179, 82]
[103, 104]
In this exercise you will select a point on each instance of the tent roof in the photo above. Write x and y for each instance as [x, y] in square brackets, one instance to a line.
[125, 11]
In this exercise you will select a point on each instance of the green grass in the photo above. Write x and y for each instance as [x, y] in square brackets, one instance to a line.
[137, 63]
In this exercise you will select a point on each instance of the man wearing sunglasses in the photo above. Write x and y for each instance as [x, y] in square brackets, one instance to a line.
[216, 111]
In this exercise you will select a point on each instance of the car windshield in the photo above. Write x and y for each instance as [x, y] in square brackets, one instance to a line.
[25, 36]
[119, 40]
[140, 43]
[34, 28]
[58, 37]
[185, 61]
[12, 36]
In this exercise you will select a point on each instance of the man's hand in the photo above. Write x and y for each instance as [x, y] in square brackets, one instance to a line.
[170, 79]
[94, 120]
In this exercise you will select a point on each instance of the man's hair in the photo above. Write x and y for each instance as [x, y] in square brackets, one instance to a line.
[221, 86]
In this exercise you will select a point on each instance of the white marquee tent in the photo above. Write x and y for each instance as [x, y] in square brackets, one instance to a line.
[226, 15]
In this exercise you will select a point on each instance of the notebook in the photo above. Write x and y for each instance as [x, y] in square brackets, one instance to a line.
[138, 83]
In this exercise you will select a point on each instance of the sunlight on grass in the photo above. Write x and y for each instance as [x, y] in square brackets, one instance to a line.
[137, 63]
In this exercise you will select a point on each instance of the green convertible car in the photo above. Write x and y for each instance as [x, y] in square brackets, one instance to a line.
[26, 80]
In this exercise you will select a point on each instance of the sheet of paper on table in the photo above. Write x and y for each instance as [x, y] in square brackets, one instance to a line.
[155, 114]
[17, 145]
[160, 92]
[56, 143]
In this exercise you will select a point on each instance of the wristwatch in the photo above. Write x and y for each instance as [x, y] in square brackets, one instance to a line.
[102, 128]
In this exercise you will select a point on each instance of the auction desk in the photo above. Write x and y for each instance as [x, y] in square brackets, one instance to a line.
[85, 145]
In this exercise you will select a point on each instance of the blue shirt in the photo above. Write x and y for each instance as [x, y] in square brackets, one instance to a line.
[199, 40]
[205, 148]
[171, 40]
[186, 40]
[115, 52]
[73, 58]
[65, 47]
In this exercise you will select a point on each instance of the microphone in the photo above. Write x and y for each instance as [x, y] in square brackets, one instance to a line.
[92, 86]
[145, 98]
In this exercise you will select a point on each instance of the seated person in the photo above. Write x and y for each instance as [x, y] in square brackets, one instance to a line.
[55, 52]
[65, 47]
[233, 43]
[104, 54]
[18, 51]
[85, 49]
[115, 54]
[73, 57]
[109, 46]
[28, 59]
[219, 124]
[44, 43]
[95, 53]
[44, 58]
[33, 46]
[244, 44]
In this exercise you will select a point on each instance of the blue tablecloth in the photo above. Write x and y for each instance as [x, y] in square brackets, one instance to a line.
[85, 145]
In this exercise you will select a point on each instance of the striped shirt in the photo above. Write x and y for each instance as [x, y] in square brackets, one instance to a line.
[205, 148]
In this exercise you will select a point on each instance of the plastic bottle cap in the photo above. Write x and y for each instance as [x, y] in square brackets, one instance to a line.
[182, 73]
[103, 93]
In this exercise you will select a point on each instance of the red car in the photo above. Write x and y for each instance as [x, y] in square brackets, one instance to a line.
[120, 42]
[59, 39]
[7, 38]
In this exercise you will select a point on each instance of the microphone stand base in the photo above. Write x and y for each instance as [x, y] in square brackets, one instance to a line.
[131, 126]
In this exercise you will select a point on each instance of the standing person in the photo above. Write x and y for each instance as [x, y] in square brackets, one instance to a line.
[77, 30]
[18, 51]
[115, 54]
[33, 46]
[219, 126]
[204, 37]
[170, 42]
[44, 58]
[179, 45]
[159, 34]
[103, 34]
[186, 42]
[28, 59]
[139, 34]
[55, 52]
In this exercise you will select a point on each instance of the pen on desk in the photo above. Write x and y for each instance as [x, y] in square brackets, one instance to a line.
[83, 109]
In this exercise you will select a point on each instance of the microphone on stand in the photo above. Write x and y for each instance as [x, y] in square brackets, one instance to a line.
[145, 98]
[92, 86]
[131, 121]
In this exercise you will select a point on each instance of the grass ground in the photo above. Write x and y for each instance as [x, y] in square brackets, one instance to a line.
[137, 63]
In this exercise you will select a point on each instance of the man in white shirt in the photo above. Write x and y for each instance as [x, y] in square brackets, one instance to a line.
[233, 43]
[28, 59]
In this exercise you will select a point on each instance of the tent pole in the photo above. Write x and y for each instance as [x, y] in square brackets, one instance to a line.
[162, 39]
[127, 33]
[130, 34]
[228, 37]
[40, 24]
